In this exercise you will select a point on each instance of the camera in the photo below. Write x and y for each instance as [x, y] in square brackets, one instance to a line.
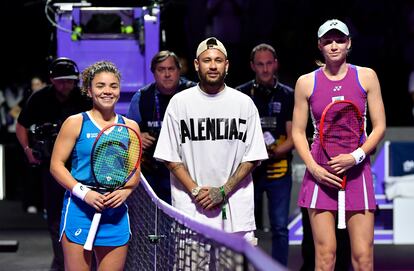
[43, 138]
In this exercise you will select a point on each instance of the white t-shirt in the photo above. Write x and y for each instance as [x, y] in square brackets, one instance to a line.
[211, 135]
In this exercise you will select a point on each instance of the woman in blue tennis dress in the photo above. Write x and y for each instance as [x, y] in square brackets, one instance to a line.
[101, 81]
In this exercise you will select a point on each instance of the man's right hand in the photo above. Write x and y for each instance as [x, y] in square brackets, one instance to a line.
[209, 197]
[147, 140]
[31, 158]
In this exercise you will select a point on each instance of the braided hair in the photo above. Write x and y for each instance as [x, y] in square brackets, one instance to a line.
[90, 72]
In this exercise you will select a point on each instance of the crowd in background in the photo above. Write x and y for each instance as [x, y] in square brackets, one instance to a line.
[382, 31]
[384, 44]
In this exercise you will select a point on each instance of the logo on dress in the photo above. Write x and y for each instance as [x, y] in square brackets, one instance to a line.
[338, 98]
[78, 231]
[337, 88]
[91, 135]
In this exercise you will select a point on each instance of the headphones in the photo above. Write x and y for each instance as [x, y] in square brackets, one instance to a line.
[65, 64]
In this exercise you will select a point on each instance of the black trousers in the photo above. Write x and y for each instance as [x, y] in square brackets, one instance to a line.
[33, 188]
[53, 201]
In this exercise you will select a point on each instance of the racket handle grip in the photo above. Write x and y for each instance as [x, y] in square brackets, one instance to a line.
[92, 232]
[341, 209]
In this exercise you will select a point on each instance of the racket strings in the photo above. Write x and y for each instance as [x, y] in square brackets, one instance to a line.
[342, 129]
[115, 157]
[134, 150]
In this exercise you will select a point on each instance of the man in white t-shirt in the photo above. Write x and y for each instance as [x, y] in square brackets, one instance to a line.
[211, 140]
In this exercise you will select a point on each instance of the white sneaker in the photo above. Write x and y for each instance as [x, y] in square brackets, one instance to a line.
[32, 210]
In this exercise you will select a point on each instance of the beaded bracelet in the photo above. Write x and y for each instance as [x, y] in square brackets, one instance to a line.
[223, 206]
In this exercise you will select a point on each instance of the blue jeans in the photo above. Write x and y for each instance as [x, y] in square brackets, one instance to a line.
[278, 194]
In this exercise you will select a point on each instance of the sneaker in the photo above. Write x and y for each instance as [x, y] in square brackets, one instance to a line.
[32, 210]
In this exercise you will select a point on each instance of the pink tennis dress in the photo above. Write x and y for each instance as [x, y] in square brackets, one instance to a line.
[359, 189]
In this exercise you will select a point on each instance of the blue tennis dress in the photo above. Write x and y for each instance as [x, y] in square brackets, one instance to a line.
[114, 228]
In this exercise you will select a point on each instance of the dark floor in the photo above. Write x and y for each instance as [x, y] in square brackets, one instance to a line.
[34, 251]
[386, 257]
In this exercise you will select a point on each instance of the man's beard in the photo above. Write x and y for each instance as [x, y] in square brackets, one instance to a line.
[212, 82]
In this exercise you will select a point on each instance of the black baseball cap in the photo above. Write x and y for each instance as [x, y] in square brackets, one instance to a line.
[64, 68]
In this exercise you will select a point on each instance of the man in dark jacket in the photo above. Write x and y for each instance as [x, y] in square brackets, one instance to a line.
[147, 108]
[37, 127]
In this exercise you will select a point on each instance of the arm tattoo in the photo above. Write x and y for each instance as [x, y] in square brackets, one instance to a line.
[181, 173]
[174, 166]
[241, 172]
[215, 195]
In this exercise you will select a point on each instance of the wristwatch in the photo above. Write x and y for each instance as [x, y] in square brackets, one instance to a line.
[195, 191]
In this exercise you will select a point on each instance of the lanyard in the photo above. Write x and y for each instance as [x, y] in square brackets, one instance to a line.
[157, 107]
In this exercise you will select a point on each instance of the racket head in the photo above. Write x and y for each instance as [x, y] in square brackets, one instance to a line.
[341, 128]
[115, 156]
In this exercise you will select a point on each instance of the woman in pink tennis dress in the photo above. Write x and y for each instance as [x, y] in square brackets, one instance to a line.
[338, 80]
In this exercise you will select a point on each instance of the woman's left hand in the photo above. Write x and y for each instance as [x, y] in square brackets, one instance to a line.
[117, 197]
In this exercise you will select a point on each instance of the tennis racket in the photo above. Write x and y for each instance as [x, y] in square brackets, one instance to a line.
[115, 157]
[341, 132]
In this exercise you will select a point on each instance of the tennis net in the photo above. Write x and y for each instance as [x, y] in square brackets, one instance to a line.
[164, 238]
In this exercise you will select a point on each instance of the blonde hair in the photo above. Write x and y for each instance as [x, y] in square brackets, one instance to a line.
[319, 63]
[90, 72]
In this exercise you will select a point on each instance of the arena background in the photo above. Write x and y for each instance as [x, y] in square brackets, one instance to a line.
[383, 39]
[382, 32]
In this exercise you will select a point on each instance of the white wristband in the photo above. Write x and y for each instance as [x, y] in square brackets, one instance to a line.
[80, 190]
[359, 155]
